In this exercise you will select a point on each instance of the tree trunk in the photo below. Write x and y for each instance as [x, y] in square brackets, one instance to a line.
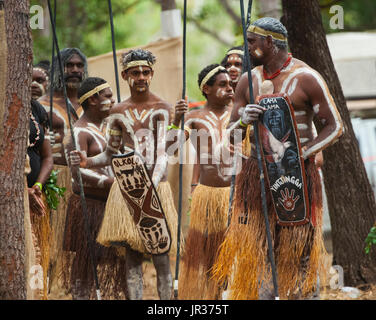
[15, 70]
[351, 202]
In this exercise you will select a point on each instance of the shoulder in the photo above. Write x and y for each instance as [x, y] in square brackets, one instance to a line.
[44, 99]
[39, 111]
[120, 107]
[195, 114]
[310, 79]
[160, 103]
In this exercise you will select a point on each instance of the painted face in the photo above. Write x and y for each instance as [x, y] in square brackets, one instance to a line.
[222, 89]
[139, 78]
[255, 48]
[74, 71]
[39, 84]
[234, 67]
[106, 101]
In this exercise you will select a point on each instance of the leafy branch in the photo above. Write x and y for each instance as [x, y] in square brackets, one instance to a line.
[370, 240]
[53, 191]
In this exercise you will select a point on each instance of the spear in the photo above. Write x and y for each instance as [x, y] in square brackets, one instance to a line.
[114, 50]
[181, 155]
[83, 201]
[259, 161]
[234, 166]
[52, 74]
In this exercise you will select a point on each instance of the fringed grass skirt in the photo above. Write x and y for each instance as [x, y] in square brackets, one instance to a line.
[41, 231]
[111, 267]
[299, 251]
[208, 223]
[118, 226]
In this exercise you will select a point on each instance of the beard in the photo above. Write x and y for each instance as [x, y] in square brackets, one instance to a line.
[73, 84]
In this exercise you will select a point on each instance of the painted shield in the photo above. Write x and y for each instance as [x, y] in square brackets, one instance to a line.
[143, 201]
[283, 164]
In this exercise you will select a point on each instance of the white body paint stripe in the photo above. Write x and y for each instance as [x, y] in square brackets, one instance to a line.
[329, 101]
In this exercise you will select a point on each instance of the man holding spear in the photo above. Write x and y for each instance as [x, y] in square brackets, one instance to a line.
[298, 247]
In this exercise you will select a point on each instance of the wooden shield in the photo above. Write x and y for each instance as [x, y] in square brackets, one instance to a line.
[283, 164]
[143, 201]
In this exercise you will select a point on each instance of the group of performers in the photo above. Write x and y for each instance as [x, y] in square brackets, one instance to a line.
[225, 248]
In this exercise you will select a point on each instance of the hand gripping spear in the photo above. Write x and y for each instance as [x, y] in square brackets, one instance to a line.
[83, 201]
[259, 161]
[181, 157]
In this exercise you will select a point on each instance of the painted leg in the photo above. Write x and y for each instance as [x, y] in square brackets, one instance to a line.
[133, 267]
[164, 277]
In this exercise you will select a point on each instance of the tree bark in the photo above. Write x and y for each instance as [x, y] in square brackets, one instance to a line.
[16, 65]
[351, 202]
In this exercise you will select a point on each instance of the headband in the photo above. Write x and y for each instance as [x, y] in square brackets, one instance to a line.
[41, 70]
[209, 75]
[137, 63]
[263, 32]
[92, 92]
[235, 51]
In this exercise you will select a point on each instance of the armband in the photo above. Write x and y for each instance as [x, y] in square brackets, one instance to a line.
[39, 185]
[242, 124]
[172, 126]
[114, 132]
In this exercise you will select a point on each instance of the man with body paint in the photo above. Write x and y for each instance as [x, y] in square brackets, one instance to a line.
[206, 129]
[139, 123]
[233, 62]
[299, 250]
[75, 71]
[95, 97]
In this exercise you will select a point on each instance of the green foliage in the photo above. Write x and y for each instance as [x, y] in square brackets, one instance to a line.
[358, 15]
[370, 240]
[53, 192]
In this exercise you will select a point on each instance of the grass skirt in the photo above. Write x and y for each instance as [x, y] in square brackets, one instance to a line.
[299, 251]
[58, 217]
[118, 225]
[111, 267]
[41, 234]
[208, 223]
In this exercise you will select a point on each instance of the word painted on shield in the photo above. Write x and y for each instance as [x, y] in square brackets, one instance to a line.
[127, 161]
[286, 179]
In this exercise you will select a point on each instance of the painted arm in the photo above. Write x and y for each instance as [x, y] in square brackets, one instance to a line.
[90, 178]
[325, 110]
[116, 134]
[45, 167]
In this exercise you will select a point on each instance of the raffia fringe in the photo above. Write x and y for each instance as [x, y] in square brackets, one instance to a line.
[118, 225]
[58, 217]
[30, 249]
[59, 258]
[209, 218]
[299, 251]
[40, 225]
[110, 267]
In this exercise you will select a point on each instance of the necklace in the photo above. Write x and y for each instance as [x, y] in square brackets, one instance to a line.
[266, 77]
[38, 131]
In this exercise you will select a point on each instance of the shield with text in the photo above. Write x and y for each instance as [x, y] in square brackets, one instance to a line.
[143, 202]
[283, 164]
